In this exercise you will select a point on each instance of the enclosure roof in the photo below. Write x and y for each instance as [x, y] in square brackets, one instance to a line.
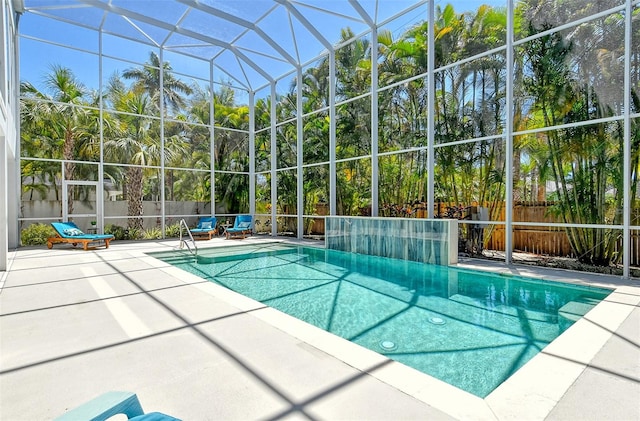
[252, 41]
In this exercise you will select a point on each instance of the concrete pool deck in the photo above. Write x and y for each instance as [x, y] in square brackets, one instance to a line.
[75, 324]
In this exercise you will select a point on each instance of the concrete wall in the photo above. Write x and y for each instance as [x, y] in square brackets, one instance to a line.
[44, 211]
[8, 132]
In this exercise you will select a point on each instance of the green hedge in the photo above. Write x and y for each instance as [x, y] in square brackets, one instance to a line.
[36, 234]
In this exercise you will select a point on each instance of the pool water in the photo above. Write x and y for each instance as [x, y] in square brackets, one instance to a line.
[468, 328]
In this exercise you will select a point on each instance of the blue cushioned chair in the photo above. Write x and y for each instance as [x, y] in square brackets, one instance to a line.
[206, 228]
[68, 232]
[241, 227]
[113, 403]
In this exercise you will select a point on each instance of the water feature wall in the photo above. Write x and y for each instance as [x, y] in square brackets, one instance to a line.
[432, 241]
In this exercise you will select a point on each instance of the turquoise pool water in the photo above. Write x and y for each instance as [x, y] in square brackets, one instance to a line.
[470, 329]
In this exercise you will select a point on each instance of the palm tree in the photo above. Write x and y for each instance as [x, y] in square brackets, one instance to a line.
[231, 152]
[402, 114]
[136, 142]
[64, 122]
[147, 79]
[133, 144]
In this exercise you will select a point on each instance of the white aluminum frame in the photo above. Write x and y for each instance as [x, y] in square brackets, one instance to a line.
[293, 10]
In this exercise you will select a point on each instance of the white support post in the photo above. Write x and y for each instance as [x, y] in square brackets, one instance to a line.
[626, 232]
[333, 196]
[162, 152]
[508, 202]
[14, 191]
[431, 106]
[65, 193]
[100, 189]
[299, 156]
[252, 154]
[274, 163]
[374, 121]
[212, 140]
[13, 152]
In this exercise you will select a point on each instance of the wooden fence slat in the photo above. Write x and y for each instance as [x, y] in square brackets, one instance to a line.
[552, 241]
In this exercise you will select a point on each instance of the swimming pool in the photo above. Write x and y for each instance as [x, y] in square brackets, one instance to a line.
[470, 329]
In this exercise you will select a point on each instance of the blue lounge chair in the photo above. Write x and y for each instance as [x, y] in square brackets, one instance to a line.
[241, 227]
[113, 403]
[206, 228]
[68, 232]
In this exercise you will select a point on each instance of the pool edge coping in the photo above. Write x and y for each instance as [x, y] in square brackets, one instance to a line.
[531, 390]
[528, 391]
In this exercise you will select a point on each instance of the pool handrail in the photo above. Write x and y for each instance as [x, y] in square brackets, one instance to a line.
[183, 242]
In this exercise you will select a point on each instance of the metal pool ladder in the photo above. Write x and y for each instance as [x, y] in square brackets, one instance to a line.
[184, 241]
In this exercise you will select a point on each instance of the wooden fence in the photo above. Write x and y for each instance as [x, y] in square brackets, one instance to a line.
[549, 240]
[539, 240]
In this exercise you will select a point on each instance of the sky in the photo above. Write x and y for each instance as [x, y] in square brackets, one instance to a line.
[38, 58]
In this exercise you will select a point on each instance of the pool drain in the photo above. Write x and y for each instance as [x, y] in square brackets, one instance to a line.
[388, 345]
[436, 320]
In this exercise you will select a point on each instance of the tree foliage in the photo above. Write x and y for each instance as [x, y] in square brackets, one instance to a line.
[567, 103]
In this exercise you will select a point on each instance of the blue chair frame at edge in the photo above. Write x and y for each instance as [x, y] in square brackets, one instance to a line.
[113, 403]
[206, 228]
[241, 227]
[68, 232]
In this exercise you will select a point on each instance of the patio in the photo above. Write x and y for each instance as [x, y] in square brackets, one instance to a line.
[76, 324]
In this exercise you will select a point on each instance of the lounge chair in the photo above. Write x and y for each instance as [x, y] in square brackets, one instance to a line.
[110, 404]
[206, 228]
[68, 232]
[241, 227]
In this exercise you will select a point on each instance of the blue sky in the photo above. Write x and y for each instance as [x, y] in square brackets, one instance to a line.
[36, 59]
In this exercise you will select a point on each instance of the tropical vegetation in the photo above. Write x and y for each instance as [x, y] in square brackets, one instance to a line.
[567, 88]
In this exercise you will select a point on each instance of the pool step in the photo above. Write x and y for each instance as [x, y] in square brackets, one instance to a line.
[530, 314]
[573, 311]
